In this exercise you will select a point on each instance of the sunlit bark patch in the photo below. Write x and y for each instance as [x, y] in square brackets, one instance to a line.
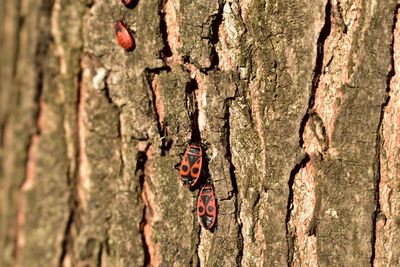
[159, 104]
[171, 8]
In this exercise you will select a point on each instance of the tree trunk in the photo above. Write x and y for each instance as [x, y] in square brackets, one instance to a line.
[297, 103]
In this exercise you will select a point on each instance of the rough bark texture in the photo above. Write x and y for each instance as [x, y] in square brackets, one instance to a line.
[298, 103]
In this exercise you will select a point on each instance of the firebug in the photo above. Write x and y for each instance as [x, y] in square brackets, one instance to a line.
[123, 36]
[206, 207]
[190, 169]
[127, 3]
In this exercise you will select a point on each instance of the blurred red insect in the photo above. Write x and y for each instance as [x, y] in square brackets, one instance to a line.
[127, 2]
[123, 36]
[206, 207]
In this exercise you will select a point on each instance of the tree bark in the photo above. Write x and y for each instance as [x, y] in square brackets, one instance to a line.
[297, 103]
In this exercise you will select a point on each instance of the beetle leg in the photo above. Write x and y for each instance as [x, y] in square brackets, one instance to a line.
[177, 166]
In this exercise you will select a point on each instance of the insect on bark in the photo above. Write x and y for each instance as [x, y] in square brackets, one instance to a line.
[123, 36]
[206, 207]
[190, 169]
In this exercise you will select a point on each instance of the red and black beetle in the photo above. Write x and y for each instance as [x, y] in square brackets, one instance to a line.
[206, 207]
[190, 169]
[123, 36]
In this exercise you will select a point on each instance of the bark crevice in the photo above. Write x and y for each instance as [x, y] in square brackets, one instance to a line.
[289, 235]
[214, 37]
[66, 239]
[141, 161]
[318, 70]
[232, 169]
[380, 139]
[166, 51]
[73, 178]
[323, 36]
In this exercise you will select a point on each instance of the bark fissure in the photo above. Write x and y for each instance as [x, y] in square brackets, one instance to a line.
[166, 52]
[73, 181]
[107, 91]
[67, 238]
[100, 254]
[324, 34]
[379, 142]
[290, 236]
[193, 110]
[3, 129]
[17, 40]
[232, 169]
[337, 13]
[214, 37]
[141, 161]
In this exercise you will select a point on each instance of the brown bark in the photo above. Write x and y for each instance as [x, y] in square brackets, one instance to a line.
[297, 103]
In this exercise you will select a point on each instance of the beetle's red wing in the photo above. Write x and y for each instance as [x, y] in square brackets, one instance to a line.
[201, 209]
[184, 172]
[190, 168]
[185, 167]
[211, 212]
[195, 168]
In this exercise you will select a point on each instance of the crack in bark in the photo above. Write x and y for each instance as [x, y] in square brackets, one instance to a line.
[214, 36]
[190, 89]
[3, 131]
[17, 50]
[66, 238]
[73, 180]
[379, 141]
[289, 235]
[100, 254]
[232, 168]
[196, 263]
[166, 52]
[141, 160]
[106, 90]
[324, 33]
[337, 14]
